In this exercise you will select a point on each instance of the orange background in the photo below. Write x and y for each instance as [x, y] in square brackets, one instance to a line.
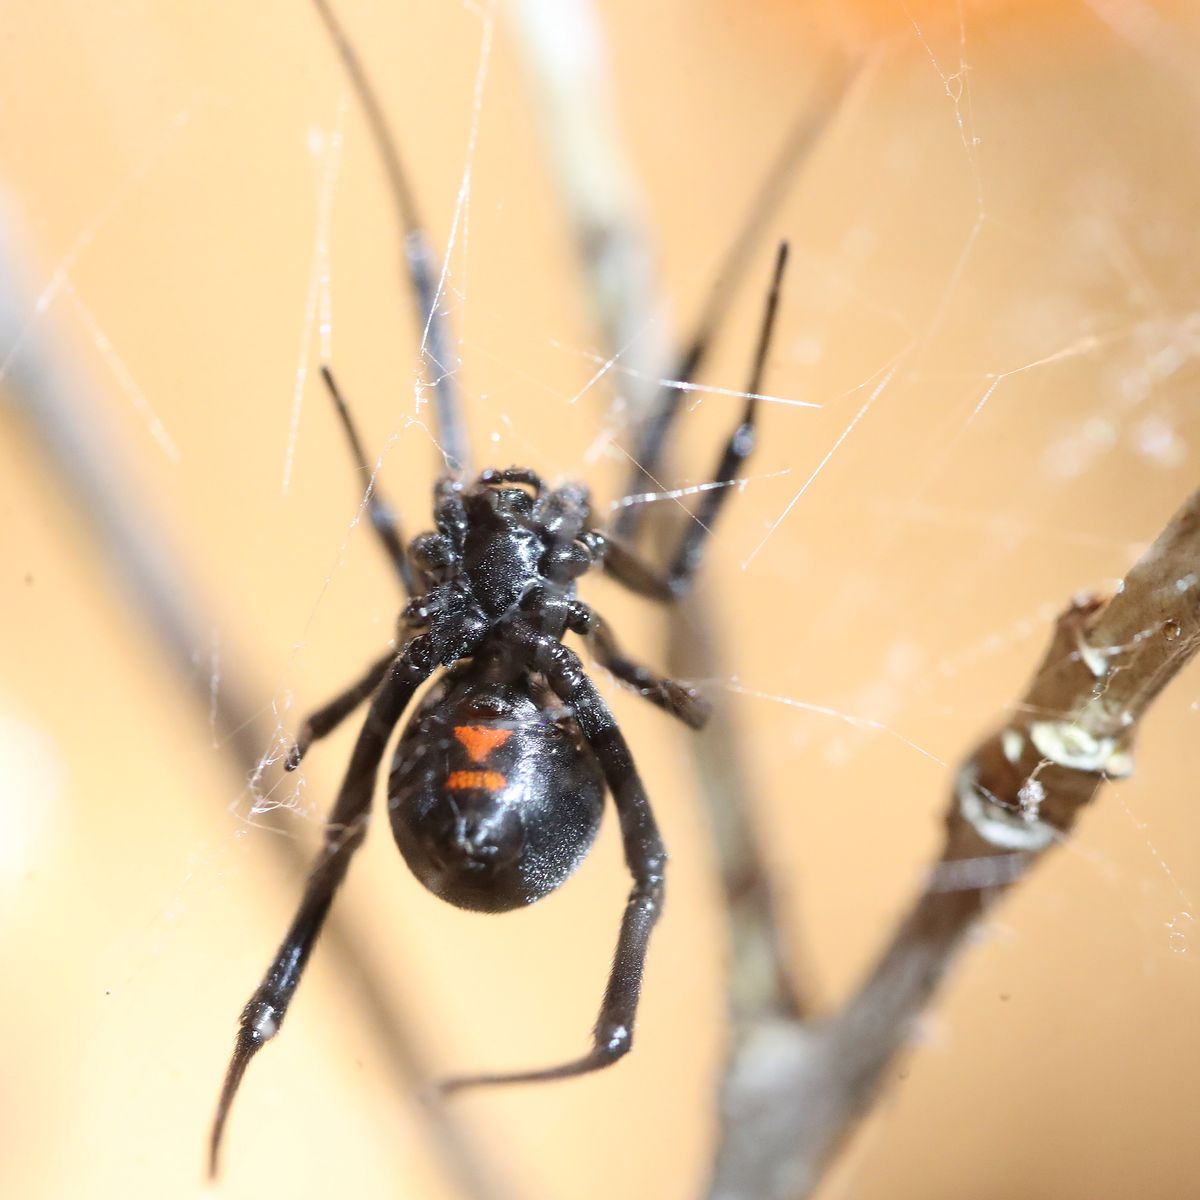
[1006, 214]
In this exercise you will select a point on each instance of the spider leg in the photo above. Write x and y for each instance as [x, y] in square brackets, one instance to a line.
[419, 258]
[737, 449]
[328, 717]
[644, 855]
[383, 516]
[450, 513]
[655, 430]
[671, 696]
[623, 563]
[564, 512]
[344, 832]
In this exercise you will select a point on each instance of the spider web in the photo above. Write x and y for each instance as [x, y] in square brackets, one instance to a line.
[980, 404]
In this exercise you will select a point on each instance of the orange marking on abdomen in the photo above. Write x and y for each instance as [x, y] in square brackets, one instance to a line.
[480, 740]
[488, 781]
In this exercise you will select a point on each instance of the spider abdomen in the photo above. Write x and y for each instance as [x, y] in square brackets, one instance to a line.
[494, 796]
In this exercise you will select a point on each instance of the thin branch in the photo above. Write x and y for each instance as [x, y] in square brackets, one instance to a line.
[59, 412]
[793, 1092]
[562, 45]
[564, 55]
[760, 975]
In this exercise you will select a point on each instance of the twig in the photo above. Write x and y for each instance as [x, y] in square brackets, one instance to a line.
[563, 53]
[794, 1091]
[563, 49]
[60, 414]
[760, 975]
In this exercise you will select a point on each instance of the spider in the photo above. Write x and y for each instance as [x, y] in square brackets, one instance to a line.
[497, 783]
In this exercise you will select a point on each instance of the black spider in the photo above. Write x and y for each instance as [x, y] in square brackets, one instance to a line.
[497, 783]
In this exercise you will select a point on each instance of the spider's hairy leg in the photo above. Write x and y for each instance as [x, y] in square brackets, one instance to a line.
[670, 695]
[344, 832]
[644, 855]
[383, 516]
[450, 513]
[328, 717]
[630, 570]
[623, 563]
[737, 449]
[436, 557]
[654, 433]
[419, 258]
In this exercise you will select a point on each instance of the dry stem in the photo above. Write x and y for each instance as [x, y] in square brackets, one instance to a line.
[793, 1091]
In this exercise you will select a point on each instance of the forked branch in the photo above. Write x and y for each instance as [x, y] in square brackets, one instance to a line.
[793, 1091]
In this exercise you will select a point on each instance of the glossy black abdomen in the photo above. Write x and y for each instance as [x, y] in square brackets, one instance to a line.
[494, 796]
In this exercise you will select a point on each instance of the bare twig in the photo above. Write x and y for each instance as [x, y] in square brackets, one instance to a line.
[564, 55]
[57, 411]
[794, 1091]
[563, 50]
[760, 976]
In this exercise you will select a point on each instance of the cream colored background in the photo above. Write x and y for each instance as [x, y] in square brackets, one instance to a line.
[1008, 211]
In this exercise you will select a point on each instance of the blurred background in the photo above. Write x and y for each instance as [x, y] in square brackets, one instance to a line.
[992, 300]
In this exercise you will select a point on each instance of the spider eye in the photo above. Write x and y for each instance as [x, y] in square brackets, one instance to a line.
[500, 494]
